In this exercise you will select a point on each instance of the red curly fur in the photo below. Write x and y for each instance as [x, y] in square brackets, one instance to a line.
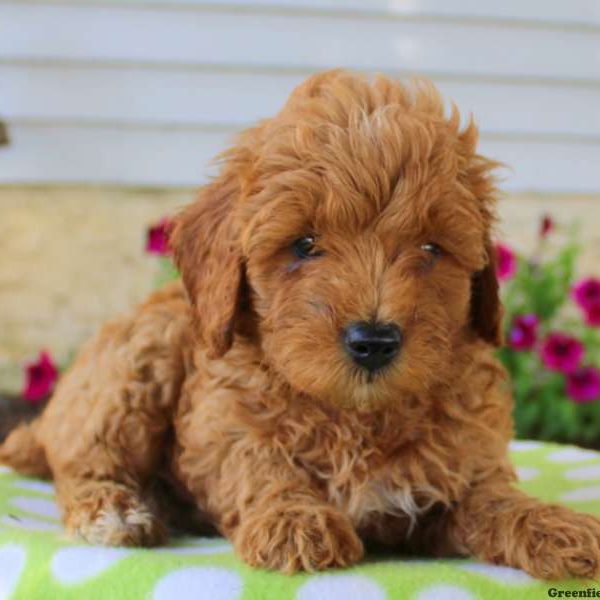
[235, 399]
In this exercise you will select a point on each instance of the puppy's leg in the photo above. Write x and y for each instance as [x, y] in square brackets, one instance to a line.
[292, 531]
[502, 525]
[286, 527]
[104, 431]
[275, 515]
[110, 513]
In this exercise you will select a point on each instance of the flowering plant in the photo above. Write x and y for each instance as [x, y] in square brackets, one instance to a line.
[40, 377]
[552, 349]
[157, 243]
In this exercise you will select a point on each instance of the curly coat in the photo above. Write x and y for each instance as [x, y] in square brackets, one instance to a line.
[232, 403]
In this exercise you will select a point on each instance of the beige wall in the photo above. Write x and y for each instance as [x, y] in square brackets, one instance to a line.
[72, 256]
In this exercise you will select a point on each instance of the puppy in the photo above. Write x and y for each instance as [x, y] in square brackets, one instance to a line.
[325, 375]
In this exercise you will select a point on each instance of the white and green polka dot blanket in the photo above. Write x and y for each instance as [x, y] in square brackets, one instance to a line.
[37, 562]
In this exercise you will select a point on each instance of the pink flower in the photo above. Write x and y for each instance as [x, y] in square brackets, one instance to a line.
[592, 315]
[583, 385]
[523, 334]
[561, 352]
[506, 262]
[586, 292]
[546, 226]
[157, 237]
[40, 378]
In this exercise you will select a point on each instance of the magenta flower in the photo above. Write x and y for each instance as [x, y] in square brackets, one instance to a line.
[40, 378]
[157, 237]
[561, 352]
[523, 333]
[592, 315]
[583, 385]
[506, 262]
[546, 226]
[586, 292]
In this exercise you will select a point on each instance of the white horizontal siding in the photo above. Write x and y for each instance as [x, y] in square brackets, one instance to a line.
[146, 91]
[191, 97]
[302, 41]
[131, 156]
[543, 12]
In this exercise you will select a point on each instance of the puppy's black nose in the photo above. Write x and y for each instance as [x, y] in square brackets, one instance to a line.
[372, 345]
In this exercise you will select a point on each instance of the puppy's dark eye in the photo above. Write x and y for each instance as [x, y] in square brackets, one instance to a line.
[304, 247]
[432, 248]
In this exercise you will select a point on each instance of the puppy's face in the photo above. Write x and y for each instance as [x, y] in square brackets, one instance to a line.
[361, 229]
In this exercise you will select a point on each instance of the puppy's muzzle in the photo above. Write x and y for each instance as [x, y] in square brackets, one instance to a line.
[372, 346]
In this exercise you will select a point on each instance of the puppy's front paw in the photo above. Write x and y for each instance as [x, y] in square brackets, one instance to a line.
[561, 543]
[112, 516]
[291, 538]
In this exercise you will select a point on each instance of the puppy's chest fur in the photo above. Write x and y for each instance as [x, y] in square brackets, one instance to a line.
[381, 502]
[386, 485]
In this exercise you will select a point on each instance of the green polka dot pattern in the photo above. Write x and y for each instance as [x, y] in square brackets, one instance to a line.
[37, 561]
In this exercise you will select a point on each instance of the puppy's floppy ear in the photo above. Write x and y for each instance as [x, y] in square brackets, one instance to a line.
[477, 176]
[486, 308]
[207, 252]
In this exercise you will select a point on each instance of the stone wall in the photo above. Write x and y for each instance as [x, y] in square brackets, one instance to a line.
[70, 257]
